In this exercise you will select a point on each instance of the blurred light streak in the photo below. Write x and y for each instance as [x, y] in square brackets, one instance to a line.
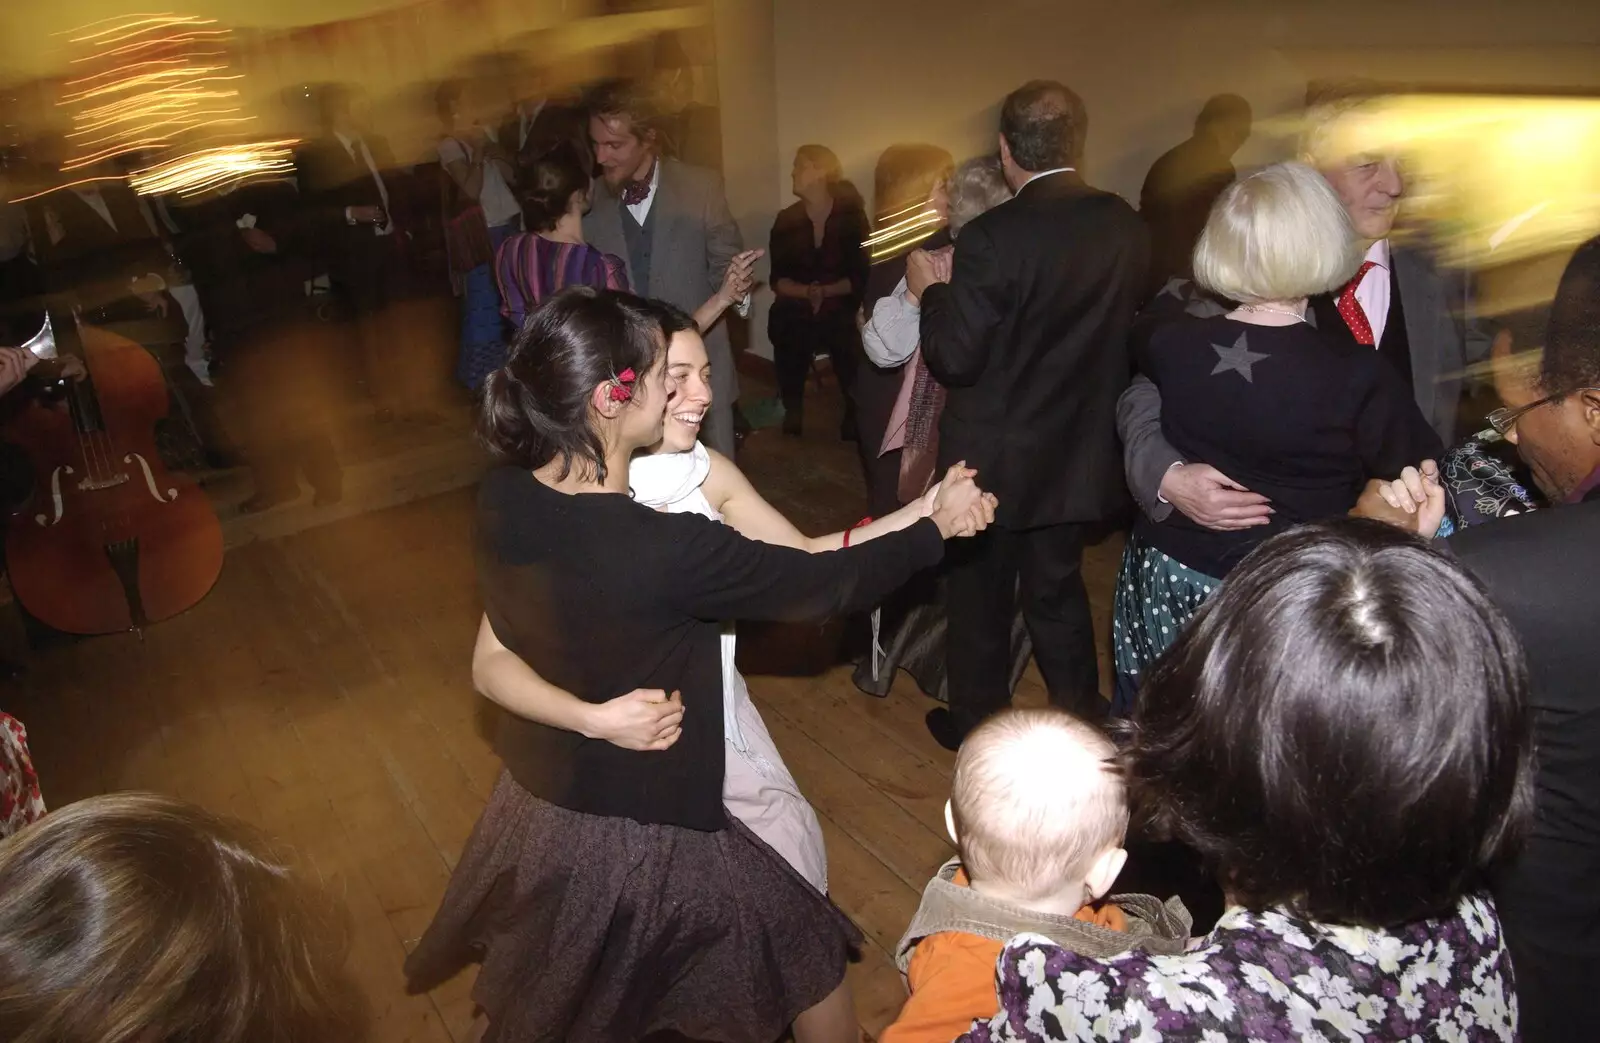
[145, 96]
[1495, 180]
[141, 26]
[62, 188]
[216, 168]
[165, 41]
[893, 235]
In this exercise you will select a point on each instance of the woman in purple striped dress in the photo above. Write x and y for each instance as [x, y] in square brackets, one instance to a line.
[551, 255]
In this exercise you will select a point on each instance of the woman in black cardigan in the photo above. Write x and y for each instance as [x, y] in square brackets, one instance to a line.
[604, 891]
[819, 272]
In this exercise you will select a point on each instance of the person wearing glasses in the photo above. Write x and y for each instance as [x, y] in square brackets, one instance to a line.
[1540, 571]
[1278, 405]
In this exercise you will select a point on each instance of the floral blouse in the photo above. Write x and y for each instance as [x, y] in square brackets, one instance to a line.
[1270, 977]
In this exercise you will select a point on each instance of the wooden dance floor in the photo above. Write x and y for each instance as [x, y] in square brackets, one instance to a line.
[322, 691]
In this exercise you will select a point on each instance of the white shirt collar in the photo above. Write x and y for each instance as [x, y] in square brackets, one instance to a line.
[348, 142]
[1378, 254]
[1045, 173]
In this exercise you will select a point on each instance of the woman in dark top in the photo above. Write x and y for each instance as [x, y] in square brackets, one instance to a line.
[1343, 734]
[1261, 395]
[819, 272]
[604, 890]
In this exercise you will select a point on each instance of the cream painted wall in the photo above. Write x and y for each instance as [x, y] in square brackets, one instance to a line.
[857, 75]
[747, 96]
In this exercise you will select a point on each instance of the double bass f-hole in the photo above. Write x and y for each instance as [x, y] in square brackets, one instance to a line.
[55, 497]
[150, 479]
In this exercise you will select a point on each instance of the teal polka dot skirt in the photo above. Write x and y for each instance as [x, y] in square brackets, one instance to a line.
[1156, 595]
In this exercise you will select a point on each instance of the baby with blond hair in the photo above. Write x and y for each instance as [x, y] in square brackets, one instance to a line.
[1038, 813]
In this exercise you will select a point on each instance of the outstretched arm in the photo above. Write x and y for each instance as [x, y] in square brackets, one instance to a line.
[731, 493]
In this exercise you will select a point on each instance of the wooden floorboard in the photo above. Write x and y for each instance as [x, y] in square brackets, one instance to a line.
[322, 692]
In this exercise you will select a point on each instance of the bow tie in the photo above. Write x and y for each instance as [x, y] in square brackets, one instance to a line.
[636, 192]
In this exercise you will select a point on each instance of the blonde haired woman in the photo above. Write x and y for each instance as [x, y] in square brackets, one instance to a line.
[1296, 415]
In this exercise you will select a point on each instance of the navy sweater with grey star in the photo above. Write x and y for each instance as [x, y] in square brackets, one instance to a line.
[1302, 418]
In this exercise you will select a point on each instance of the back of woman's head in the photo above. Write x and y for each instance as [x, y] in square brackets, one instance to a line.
[904, 178]
[977, 186]
[1277, 235]
[1342, 729]
[549, 185]
[136, 918]
[539, 406]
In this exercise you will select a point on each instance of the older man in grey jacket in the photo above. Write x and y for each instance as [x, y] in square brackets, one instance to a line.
[1400, 304]
[670, 222]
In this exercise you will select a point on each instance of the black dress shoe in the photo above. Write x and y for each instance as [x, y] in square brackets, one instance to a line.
[942, 726]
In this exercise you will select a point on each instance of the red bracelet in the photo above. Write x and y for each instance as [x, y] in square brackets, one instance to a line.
[864, 521]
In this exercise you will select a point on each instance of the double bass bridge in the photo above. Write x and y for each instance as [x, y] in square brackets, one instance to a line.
[110, 482]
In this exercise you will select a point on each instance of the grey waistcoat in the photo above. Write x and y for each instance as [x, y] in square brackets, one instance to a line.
[640, 238]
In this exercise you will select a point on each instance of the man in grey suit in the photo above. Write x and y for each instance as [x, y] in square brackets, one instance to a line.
[1400, 304]
[670, 222]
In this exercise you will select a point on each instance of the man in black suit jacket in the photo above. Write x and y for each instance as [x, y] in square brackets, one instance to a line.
[1543, 571]
[247, 250]
[1030, 337]
[347, 210]
[99, 247]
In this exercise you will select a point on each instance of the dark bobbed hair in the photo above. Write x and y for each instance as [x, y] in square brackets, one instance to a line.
[1043, 123]
[537, 407]
[905, 176]
[1342, 729]
[134, 917]
[551, 182]
[1572, 347]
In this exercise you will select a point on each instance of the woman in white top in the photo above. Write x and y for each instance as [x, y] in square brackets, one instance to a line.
[481, 212]
[681, 475]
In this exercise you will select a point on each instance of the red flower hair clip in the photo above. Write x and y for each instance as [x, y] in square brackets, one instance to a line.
[622, 385]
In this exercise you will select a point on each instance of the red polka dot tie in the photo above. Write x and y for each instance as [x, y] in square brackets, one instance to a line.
[1350, 308]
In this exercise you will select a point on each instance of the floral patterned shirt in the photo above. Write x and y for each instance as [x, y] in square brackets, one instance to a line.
[1271, 977]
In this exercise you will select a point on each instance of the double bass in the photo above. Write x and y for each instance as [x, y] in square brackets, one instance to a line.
[110, 540]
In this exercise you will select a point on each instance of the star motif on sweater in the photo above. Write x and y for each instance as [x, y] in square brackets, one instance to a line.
[1239, 359]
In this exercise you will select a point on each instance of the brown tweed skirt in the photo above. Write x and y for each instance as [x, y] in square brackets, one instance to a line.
[601, 929]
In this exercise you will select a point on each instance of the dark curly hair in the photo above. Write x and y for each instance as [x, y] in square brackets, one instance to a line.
[536, 407]
[1342, 729]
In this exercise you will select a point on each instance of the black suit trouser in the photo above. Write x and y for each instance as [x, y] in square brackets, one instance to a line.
[988, 574]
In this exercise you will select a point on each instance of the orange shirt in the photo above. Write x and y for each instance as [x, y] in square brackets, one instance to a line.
[951, 975]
